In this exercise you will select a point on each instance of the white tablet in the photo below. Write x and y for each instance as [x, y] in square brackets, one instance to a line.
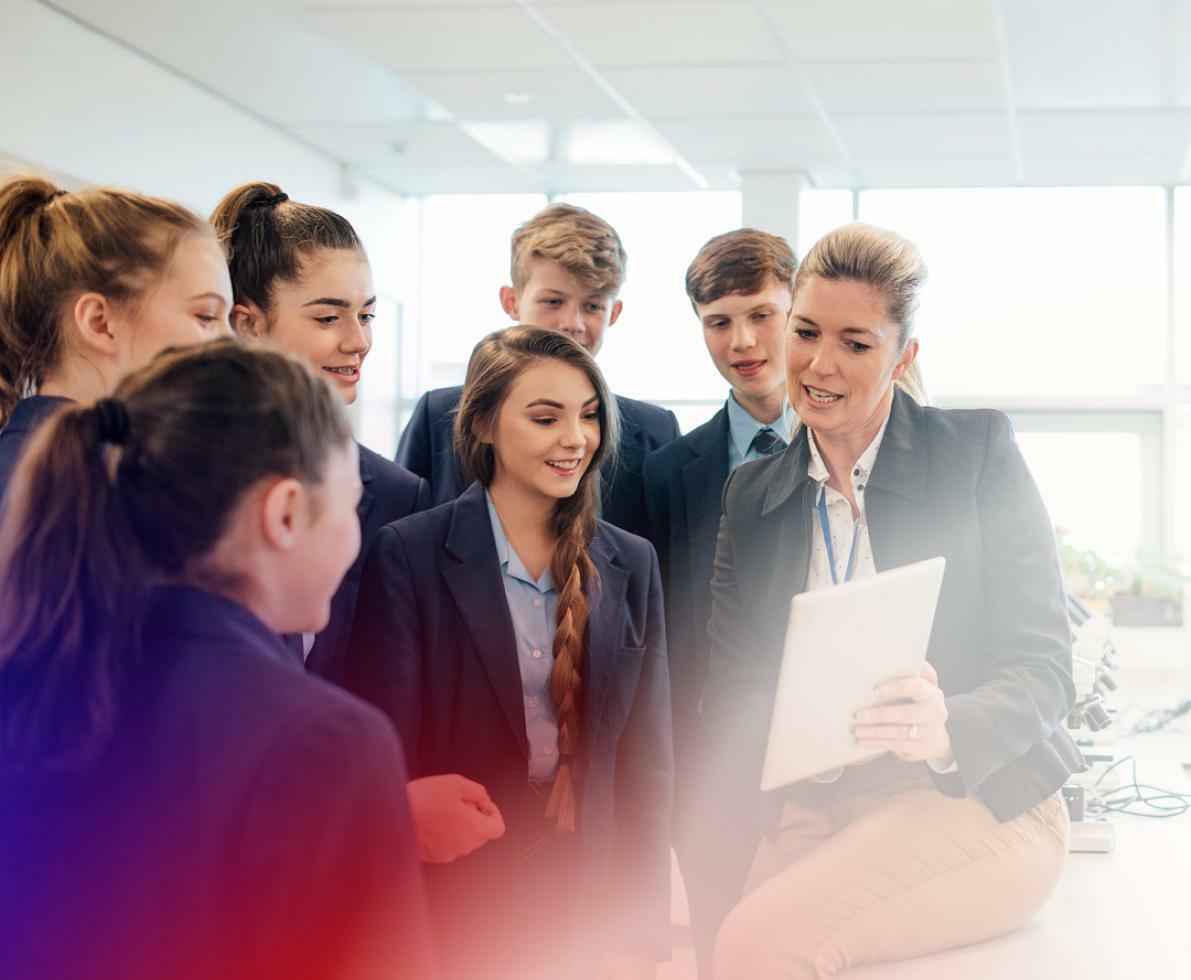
[841, 643]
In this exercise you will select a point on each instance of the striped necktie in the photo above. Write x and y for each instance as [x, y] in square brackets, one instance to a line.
[767, 442]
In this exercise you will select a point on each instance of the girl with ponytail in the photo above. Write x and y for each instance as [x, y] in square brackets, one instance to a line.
[516, 639]
[302, 283]
[93, 283]
[177, 798]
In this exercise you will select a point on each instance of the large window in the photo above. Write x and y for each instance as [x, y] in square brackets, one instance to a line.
[656, 351]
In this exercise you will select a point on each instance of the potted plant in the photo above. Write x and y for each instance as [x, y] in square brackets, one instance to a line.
[1147, 592]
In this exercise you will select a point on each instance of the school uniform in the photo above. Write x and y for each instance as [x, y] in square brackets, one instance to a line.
[452, 641]
[390, 492]
[28, 414]
[684, 484]
[426, 449]
[243, 820]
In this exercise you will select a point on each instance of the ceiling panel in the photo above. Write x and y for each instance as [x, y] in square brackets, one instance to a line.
[908, 87]
[750, 142]
[453, 179]
[1103, 169]
[1091, 53]
[712, 90]
[1138, 132]
[984, 134]
[300, 75]
[546, 93]
[445, 38]
[878, 30]
[651, 33]
[410, 143]
[935, 171]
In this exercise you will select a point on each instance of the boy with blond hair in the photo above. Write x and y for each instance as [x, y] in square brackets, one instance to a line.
[567, 269]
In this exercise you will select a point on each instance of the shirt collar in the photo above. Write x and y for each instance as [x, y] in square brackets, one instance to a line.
[743, 428]
[510, 562]
[817, 469]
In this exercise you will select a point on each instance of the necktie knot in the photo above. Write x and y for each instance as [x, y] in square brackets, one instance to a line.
[767, 442]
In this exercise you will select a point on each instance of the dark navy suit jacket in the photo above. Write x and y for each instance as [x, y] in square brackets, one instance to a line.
[390, 492]
[950, 483]
[684, 484]
[433, 646]
[244, 820]
[426, 449]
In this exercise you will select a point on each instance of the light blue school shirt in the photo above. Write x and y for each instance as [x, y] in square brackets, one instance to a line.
[743, 428]
[533, 606]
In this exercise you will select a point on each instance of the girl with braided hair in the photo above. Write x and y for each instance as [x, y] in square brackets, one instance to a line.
[514, 638]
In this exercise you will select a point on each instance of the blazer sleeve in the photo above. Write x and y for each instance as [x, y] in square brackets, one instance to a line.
[423, 501]
[644, 794]
[1028, 687]
[414, 450]
[327, 867]
[384, 653]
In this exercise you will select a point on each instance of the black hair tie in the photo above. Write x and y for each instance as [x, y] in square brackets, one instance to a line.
[113, 421]
[269, 202]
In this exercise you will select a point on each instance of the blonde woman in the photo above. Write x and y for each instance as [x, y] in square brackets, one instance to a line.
[961, 799]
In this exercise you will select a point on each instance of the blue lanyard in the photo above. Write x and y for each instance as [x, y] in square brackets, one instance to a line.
[825, 528]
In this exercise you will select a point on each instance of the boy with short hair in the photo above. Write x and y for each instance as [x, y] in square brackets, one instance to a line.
[741, 287]
[568, 267]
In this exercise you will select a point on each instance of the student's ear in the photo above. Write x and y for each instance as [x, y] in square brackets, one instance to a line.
[482, 431]
[248, 320]
[906, 359]
[93, 314]
[282, 509]
[615, 314]
[508, 302]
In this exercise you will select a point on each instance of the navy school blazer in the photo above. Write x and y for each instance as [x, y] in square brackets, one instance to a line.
[426, 449]
[684, 484]
[390, 492]
[433, 647]
[26, 417]
[950, 483]
[244, 820]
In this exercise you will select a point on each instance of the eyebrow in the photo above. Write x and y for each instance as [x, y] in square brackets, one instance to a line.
[335, 301]
[215, 296]
[553, 404]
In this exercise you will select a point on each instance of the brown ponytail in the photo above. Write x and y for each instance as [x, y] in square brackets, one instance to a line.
[496, 363]
[267, 235]
[55, 246]
[107, 500]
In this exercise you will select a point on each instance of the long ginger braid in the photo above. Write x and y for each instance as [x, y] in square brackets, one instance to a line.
[574, 526]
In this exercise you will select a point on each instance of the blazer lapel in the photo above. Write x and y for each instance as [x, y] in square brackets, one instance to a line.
[479, 594]
[605, 627]
[702, 484]
[895, 500]
[367, 497]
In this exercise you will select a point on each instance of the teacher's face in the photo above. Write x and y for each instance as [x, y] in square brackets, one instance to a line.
[842, 357]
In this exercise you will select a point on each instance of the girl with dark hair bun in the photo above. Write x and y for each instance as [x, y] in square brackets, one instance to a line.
[514, 638]
[179, 799]
[302, 282]
[92, 284]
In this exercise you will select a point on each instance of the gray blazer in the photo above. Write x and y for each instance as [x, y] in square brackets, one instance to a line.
[949, 483]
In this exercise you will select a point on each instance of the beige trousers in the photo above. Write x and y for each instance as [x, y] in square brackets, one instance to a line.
[888, 874]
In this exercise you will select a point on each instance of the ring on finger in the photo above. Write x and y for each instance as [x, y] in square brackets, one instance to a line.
[912, 734]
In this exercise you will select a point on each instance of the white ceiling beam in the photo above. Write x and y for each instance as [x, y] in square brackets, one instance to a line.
[610, 90]
[1002, 35]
